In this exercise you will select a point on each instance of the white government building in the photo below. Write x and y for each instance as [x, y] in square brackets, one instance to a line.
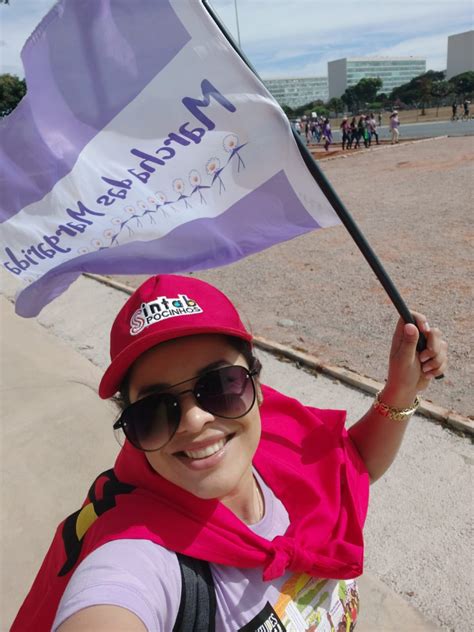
[347, 72]
[394, 72]
[460, 54]
[297, 91]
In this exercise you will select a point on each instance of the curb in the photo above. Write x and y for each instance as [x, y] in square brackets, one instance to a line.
[446, 417]
[380, 147]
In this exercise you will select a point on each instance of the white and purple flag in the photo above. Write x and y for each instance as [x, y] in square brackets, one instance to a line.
[144, 145]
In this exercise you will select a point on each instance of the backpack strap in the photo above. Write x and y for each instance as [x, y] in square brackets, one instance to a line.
[197, 608]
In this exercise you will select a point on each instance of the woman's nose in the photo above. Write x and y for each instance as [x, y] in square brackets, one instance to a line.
[193, 418]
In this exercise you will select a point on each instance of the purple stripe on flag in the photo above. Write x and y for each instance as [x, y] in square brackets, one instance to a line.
[84, 63]
[268, 215]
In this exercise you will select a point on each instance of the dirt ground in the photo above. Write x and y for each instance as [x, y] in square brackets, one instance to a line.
[414, 204]
[335, 149]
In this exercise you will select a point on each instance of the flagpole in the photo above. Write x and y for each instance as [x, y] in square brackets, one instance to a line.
[237, 22]
[336, 203]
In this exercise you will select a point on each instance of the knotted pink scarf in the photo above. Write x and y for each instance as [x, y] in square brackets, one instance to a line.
[305, 456]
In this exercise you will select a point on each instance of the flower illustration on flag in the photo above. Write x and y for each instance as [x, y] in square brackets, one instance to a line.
[161, 202]
[178, 186]
[196, 182]
[231, 145]
[214, 169]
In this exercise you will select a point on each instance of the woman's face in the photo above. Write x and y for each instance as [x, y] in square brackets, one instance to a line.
[224, 470]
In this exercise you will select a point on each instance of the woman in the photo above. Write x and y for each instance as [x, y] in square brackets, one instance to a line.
[219, 467]
[394, 125]
[373, 128]
[362, 128]
[355, 139]
[308, 132]
[327, 134]
[346, 134]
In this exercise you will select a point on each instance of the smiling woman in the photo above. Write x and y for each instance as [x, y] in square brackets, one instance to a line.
[263, 498]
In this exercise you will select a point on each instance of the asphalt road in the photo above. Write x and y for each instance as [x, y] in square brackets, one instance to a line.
[425, 130]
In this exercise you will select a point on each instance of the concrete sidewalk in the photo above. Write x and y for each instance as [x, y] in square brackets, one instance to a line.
[56, 436]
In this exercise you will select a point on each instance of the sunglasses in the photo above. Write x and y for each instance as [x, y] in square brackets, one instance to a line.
[150, 423]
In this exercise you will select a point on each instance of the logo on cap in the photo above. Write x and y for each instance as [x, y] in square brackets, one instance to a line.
[162, 308]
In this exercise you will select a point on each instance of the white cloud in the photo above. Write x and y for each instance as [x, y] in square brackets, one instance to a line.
[274, 20]
[433, 47]
[297, 38]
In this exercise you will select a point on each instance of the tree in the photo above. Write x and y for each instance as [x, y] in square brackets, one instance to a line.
[367, 88]
[425, 93]
[313, 106]
[336, 105]
[363, 92]
[440, 90]
[416, 90]
[12, 90]
[288, 111]
[351, 99]
[463, 84]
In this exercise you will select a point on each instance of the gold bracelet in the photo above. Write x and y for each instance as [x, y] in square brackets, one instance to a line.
[397, 414]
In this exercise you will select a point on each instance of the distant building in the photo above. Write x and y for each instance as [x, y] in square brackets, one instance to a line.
[394, 72]
[460, 53]
[298, 91]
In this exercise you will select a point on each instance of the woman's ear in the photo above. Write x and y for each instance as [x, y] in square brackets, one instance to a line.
[259, 393]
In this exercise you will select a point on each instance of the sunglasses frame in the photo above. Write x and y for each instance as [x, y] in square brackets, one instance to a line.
[121, 424]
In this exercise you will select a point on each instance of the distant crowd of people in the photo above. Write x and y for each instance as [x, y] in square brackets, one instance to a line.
[315, 129]
[362, 129]
[355, 131]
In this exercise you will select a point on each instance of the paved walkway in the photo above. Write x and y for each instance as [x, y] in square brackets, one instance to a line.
[56, 436]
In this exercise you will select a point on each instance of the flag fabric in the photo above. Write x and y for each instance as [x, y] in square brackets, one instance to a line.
[144, 145]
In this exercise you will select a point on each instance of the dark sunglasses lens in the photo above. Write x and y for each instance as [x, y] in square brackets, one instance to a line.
[228, 392]
[152, 421]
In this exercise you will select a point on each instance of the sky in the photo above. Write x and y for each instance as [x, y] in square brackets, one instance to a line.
[296, 38]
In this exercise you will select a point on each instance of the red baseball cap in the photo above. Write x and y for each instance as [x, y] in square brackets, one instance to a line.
[164, 307]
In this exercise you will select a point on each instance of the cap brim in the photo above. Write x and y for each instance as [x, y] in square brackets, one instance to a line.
[116, 372]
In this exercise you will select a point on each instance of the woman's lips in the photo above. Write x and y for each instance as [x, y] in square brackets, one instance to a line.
[205, 456]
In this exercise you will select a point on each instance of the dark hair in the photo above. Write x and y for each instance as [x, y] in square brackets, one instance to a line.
[240, 345]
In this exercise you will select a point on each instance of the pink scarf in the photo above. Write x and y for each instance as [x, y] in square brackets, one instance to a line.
[305, 456]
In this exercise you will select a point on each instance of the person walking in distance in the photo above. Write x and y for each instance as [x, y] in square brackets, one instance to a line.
[355, 139]
[454, 108]
[394, 127]
[346, 133]
[362, 130]
[308, 132]
[373, 128]
[327, 134]
[466, 114]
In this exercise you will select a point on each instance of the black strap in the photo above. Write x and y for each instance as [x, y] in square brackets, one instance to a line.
[197, 608]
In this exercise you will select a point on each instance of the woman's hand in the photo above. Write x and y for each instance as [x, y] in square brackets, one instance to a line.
[410, 372]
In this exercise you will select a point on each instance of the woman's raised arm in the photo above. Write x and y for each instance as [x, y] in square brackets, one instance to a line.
[379, 433]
